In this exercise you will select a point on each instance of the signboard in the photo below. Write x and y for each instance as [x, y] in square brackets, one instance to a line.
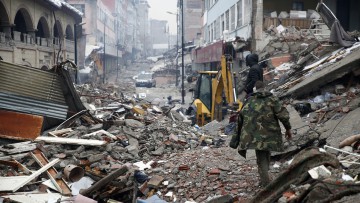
[211, 53]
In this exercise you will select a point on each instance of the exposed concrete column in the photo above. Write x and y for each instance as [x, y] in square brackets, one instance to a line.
[256, 24]
[7, 31]
[31, 35]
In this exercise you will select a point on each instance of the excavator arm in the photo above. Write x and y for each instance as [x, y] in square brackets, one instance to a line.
[215, 92]
[223, 86]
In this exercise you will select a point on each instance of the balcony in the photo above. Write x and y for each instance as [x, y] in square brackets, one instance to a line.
[28, 41]
[287, 22]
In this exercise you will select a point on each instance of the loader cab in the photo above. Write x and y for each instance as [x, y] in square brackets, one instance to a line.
[203, 90]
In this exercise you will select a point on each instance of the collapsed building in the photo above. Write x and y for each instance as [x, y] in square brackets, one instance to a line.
[120, 148]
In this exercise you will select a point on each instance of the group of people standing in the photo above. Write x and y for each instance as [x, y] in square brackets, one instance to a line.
[258, 121]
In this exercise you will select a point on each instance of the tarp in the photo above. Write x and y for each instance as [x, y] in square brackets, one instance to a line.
[338, 34]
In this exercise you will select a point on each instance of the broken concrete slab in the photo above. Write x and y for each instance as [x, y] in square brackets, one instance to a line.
[36, 198]
[326, 75]
[337, 130]
[18, 147]
[133, 123]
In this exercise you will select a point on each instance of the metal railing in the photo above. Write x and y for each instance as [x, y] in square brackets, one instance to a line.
[28, 39]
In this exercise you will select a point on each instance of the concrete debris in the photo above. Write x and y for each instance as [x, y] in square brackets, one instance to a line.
[320, 172]
[123, 148]
[107, 144]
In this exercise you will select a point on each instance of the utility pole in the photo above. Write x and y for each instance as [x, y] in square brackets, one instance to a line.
[177, 48]
[182, 54]
[75, 49]
[75, 52]
[117, 48]
[104, 68]
[177, 45]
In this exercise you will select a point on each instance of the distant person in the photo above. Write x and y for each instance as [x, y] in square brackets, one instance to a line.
[255, 73]
[259, 129]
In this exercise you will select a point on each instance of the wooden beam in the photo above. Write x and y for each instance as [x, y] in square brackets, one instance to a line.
[73, 141]
[60, 184]
[104, 132]
[16, 182]
[36, 174]
[59, 133]
[106, 180]
[16, 164]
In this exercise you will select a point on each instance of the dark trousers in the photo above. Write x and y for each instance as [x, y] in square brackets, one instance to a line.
[263, 162]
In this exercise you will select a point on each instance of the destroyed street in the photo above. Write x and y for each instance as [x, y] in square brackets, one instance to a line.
[189, 101]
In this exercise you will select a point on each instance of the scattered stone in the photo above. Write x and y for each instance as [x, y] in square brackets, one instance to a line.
[133, 123]
[214, 171]
[96, 127]
[95, 158]
[345, 109]
[159, 151]
[222, 199]
[155, 181]
[184, 167]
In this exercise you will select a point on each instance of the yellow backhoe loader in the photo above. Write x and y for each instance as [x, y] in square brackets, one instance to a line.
[215, 93]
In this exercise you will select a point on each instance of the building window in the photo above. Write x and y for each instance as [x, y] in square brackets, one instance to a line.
[227, 20]
[239, 14]
[209, 34]
[232, 18]
[222, 20]
[298, 6]
[247, 12]
[194, 4]
[217, 28]
[212, 31]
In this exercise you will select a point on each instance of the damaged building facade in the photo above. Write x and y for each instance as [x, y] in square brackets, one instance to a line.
[39, 34]
[102, 143]
[225, 20]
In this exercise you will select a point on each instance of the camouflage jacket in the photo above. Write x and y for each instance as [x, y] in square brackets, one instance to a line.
[259, 123]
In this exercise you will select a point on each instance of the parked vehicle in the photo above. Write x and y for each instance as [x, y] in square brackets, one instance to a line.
[145, 80]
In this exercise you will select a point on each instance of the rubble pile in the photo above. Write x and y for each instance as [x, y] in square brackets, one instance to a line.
[191, 176]
[113, 134]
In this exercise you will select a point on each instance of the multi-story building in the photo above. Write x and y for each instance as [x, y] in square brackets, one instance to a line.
[129, 24]
[143, 26]
[226, 19]
[159, 36]
[100, 29]
[192, 20]
[39, 34]
[229, 17]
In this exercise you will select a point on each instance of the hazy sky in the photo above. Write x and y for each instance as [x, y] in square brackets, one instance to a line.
[158, 9]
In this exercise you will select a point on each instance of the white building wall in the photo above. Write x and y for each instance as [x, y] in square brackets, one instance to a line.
[224, 15]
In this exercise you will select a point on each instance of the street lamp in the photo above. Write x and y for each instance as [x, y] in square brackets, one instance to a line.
[177, 45]
[75, 48]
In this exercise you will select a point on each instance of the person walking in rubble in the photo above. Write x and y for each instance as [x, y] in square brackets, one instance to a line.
[255, 73]
[259, 129]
